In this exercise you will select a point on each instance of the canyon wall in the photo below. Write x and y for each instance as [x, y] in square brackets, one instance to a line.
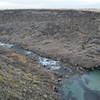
[72, 36]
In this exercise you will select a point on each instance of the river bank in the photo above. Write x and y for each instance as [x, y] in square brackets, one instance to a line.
[23, 78]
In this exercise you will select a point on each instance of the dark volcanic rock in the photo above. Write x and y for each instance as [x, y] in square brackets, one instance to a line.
[69, 35]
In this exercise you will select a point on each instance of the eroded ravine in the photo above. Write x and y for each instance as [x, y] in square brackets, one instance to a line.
[75, 86]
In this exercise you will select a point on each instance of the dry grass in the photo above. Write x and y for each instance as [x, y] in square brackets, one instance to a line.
[22, 79]
[21, 58]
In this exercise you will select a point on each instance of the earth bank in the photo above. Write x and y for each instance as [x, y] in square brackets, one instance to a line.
[21, 78]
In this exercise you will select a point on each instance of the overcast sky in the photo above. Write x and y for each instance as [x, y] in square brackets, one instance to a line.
[5, 4]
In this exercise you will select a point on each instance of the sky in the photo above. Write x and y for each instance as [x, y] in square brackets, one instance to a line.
[50, 4]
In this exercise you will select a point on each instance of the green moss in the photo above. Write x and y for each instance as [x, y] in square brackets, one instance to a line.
[10, 76]
[1, 78]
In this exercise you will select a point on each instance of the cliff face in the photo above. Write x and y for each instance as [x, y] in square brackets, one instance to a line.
[72, 36]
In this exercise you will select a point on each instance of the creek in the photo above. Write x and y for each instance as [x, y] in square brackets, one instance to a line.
[84, 86]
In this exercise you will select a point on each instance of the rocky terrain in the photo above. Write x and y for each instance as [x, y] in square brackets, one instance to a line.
[72, 36]
[21, 78]
[69, 36]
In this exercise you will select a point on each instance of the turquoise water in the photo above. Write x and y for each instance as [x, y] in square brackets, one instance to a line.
[84, 87]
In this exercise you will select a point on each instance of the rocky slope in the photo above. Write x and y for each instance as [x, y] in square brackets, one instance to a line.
[21, 78]
[72, 36]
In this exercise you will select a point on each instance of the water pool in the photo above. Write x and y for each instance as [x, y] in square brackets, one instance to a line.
[84, 87]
